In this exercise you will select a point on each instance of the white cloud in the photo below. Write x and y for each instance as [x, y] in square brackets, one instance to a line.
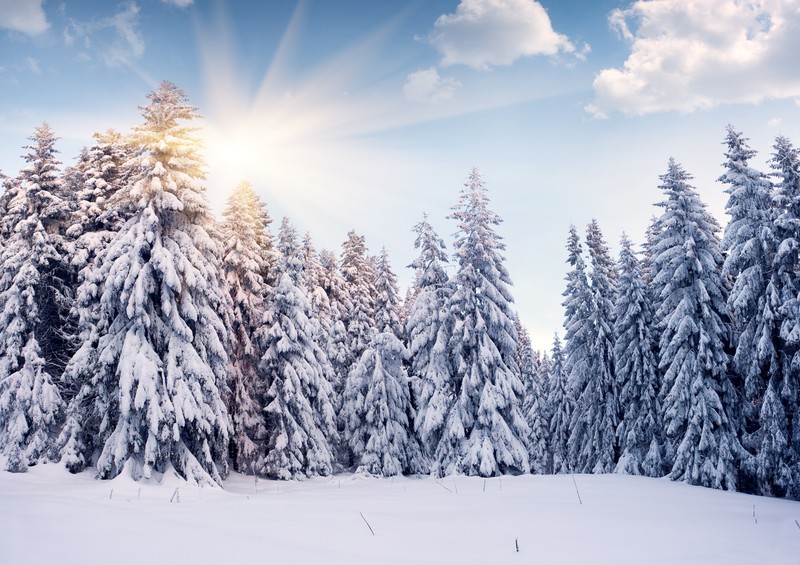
[428, 85]
[123, 45]
[488, 33]
[179, 3]
[26, 16]
[691, 54]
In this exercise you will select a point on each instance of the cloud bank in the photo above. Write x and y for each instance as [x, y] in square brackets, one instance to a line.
[692, 54]
[25, 16]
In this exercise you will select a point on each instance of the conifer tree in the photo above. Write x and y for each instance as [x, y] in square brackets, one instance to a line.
[339, 302]
[589, 360]
[30, 290]
[696, 394]
[385, 444]
[560, 406]
[152, 371]
[640, 431]
[778, 438]
[245, 265]
[749, 243]
[594, 419]
[534, 374]
[359, 320]
[95, 179]
[301, 426]
[426, 335]
[484, 427]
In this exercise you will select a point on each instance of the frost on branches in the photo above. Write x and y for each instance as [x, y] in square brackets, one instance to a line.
[153, 379]
[484, 428]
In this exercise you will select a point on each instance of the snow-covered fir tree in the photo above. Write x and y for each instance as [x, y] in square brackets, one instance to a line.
[589, 355]
[301, 422]
[245, 266]
[697, 396]
[484, 431]
[777, 440]
[339, 302]
[427, 341]
[640, 431]
[534, 373]
[592, 441]
[359, 320]
[152, 371]
[95, 179]
[749, 246]
[30, 292]
[359, 278]
[559, 407]
[383, 442]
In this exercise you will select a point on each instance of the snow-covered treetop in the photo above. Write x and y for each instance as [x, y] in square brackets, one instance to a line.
[388, 297]
[170, 167]
[291, 252]
[428, 266]
[39, 182]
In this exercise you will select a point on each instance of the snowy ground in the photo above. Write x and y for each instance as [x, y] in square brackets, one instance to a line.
[48, 516]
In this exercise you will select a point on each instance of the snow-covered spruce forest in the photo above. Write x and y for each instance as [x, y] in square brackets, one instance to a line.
[141, 335]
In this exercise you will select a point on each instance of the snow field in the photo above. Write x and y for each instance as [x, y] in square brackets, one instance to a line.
[49, 516]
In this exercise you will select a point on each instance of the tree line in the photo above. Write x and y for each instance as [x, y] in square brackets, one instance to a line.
[139, 333]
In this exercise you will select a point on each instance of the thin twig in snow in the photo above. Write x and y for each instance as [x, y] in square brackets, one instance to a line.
[441, 485]
[367, 523]
[576, 489]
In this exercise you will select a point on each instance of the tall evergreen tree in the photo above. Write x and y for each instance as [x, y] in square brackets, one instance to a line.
[534, 374]
[594, 420]
[359, 320]
[778, 438]
[385, 444]
[484, 427]
[95, 179]
[697, 396]
[427, 336]
[301, 425]
[560, 406]
[578, 339]
[339, 302]
[30, 291]
[152, 373]
[245, 266]
[749, 246]
[640, 431]
[589, 361]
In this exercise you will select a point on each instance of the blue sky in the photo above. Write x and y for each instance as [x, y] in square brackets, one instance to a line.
[364, 115]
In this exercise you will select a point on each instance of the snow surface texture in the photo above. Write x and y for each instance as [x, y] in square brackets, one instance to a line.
[49, 516]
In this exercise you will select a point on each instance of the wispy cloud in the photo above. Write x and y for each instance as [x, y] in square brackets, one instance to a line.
[179, 3]
[490, 33]
[687, 55]
[25, 16]
[427, 85]
[115, 40]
